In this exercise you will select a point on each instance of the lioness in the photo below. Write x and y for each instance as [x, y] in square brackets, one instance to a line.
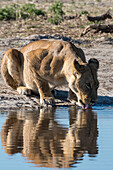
[51, 62]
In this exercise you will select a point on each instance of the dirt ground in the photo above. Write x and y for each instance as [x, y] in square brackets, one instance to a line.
[16, 34]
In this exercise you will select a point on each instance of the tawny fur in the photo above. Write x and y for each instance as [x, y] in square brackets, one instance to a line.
[30, 129]
[51, 62]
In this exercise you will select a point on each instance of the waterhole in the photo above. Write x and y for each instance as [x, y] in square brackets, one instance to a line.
[62, 137]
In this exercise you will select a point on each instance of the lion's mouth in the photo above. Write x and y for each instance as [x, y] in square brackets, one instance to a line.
[85, 106]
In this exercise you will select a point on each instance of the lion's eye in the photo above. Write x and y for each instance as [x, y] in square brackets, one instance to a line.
[88, 85]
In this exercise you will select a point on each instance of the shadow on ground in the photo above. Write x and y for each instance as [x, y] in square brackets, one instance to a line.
[102, 100]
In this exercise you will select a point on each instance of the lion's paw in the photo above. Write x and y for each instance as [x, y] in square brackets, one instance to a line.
[24, 90]
[73, 102]
[47, 101]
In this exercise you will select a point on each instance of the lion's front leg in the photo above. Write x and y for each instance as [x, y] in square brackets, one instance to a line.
[72, 97]
[46, 97]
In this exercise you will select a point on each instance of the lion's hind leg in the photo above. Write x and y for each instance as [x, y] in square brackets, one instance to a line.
[10, 68]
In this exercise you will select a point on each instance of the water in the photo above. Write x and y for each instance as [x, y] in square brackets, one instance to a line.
[65, 138]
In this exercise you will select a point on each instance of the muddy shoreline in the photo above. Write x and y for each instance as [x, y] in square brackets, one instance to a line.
[102, 50]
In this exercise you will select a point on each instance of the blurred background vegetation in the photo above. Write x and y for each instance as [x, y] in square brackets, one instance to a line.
[68, 18]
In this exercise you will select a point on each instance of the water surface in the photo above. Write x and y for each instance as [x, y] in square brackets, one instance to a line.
[64, 138]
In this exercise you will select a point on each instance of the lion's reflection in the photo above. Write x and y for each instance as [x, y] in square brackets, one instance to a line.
[39, 137]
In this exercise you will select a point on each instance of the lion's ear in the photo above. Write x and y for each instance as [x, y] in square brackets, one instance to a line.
[78, 67]
[94, 62]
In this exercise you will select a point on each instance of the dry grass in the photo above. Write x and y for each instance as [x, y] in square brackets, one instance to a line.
[70, 28]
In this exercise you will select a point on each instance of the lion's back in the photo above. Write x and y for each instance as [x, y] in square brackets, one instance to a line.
[55, 46]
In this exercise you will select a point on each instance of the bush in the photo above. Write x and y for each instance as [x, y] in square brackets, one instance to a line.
[29, 11]
[57, 13]
[83, 13]
[16, 11]
[8, 13]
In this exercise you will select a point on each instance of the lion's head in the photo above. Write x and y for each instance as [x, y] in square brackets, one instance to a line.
[84, 82]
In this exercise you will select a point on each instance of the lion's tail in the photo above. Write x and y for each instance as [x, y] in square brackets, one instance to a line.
[10, 68]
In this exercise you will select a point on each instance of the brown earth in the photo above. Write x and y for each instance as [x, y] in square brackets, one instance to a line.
[16, 34]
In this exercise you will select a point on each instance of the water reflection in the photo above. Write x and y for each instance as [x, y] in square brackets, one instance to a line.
[38, 136]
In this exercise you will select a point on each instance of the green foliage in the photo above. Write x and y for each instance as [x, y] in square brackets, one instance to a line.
[16, 11]
[84, 12]
[57, 8]
[72, 2]
[57, 13]
[7, 13]
[30, 11]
